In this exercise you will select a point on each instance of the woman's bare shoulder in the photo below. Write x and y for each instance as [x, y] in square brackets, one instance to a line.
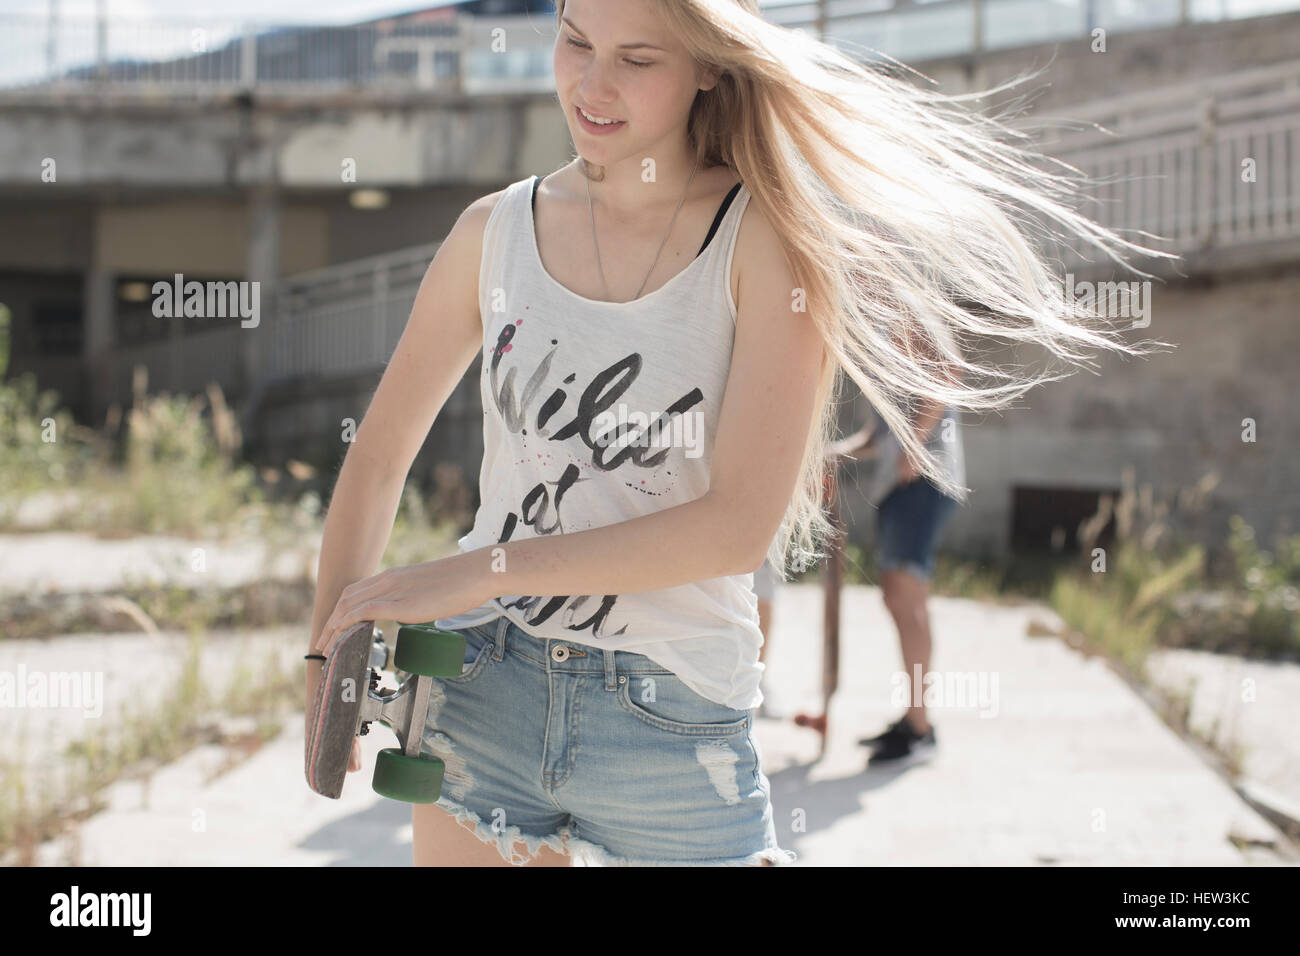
[466, 235]
[757, 245]
[480, 209]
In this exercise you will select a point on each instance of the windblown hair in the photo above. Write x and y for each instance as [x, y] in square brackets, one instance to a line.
[910, 223]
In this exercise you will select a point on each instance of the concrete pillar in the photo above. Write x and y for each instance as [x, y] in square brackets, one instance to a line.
[97, 342]
[263, 267]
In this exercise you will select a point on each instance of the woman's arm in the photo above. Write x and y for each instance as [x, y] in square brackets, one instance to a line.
[357, 527]
[930, 415]
[930, 411]
[702, 539]
[864, 439]
[441, 338]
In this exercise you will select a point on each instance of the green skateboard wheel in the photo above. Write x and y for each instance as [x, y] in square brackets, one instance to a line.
[409, 779]
[429, 652]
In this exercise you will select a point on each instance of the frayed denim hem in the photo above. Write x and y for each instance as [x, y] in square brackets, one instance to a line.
[506, 838]
[918, 571]
[584, 852]
[590, 854]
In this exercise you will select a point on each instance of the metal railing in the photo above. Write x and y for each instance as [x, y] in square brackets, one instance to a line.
[458, 53]
[454, 54]
[181, 364]
[915, 30]
[341, 320]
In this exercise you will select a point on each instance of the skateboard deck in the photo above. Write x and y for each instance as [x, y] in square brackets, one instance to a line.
[832, 585]
[336, 714]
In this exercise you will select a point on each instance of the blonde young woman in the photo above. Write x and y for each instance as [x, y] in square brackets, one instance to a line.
[662, 321]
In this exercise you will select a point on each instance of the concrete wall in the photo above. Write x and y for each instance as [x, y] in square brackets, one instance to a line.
[42, 233]
[413, 217]
[201, 236]
[304, 144]
[209, 233]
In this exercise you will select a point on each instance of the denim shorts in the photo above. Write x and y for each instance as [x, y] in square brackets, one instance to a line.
[601, 754]
[908, 523]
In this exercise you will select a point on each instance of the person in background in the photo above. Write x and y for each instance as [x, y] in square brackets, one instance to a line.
[911, 513]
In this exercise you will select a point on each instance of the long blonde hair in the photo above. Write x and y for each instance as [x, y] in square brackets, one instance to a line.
[896, 208]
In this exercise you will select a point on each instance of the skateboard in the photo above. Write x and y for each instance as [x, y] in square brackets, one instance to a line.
[349, 698]
[832, 582]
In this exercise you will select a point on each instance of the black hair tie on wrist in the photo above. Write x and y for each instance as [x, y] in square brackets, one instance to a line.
[313, 657]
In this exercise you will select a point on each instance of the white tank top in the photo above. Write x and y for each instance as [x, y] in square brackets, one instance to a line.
[554, 363]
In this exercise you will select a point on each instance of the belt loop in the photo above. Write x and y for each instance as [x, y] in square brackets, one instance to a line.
[499, 643]
[611, 682]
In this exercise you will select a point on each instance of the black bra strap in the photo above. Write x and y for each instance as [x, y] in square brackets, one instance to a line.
[722, 211]
[717, 220]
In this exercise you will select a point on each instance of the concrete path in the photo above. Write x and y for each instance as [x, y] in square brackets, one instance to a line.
[1248, 706]
[1057, 762]
[1062, 765]
[102, 679]
[68, 561]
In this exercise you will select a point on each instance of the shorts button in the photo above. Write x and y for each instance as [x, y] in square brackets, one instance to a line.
[559, 653]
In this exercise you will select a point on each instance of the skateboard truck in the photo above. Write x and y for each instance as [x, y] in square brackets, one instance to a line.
[349, 699]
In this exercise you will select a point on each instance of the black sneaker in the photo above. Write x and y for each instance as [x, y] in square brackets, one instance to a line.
[902, 745]
[892, 729]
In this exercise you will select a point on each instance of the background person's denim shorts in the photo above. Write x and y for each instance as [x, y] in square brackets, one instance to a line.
[908, 523]
[602, 754]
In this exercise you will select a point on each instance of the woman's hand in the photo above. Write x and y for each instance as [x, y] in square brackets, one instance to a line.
[411, 594]
[861, 444]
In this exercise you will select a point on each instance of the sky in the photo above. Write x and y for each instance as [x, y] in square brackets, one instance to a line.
[314, 11]
[348, 11]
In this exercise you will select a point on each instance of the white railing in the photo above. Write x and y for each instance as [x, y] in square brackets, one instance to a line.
[457, 53]
[453, 54]
[1211, 164]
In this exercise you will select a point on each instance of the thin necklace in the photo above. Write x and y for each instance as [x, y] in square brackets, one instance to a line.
[591, 207]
